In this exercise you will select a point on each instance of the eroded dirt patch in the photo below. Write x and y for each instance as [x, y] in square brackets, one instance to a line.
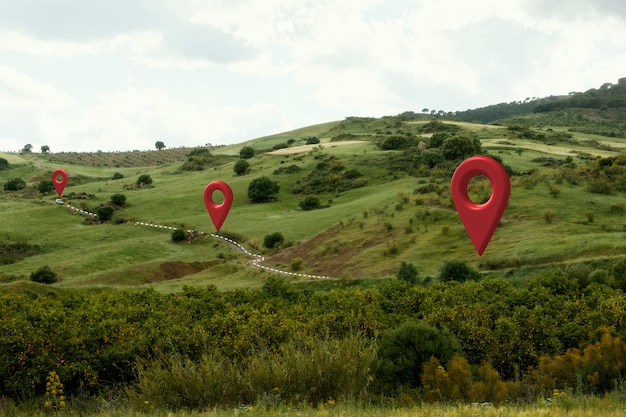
[176, 269]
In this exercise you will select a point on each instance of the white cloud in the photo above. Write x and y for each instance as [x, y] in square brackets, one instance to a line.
[19, 90]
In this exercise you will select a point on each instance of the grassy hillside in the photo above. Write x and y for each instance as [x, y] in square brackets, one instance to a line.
[398, 213]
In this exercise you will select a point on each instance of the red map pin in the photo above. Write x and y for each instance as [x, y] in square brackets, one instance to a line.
[218, 212]
[59, 184]
[480, 220]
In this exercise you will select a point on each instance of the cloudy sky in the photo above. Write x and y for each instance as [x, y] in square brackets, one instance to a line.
[82, 75]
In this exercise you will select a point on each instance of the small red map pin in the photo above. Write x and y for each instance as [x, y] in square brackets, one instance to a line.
[59, 180]
[218, 212]
[480, 220]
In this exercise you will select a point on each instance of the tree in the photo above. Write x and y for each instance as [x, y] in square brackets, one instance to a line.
[45, 187]
[457, 270]
[246, 152]
[44, 275]
[28, 148]
[4, 164]
[460, 146]
[105, 213]
[241, 167]
[144, 179]
[14, 184]
[404, 350]
[262, 189]
[273, 240]
[159, 145]
[118, 199]
[45, 149]
[407, 272]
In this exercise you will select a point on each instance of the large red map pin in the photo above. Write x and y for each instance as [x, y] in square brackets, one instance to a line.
[218, 212]
[59, 184]
[480, 220]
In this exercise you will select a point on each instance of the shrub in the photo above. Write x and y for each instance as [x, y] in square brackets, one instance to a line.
[296, 264]
[273, 240]
[246, 152]
[179, 235]
[404, 350]
[144, 179]
[117, 176]
[262, 189]
[44, 275]
[589, 215]
[312, 140]
[118, 200]
[4, 164]
[241, 167]
[310, 203]
[45, 187]
[457, 270]
[14, 184]
[105, 213]
[548, 215]
[407, 272]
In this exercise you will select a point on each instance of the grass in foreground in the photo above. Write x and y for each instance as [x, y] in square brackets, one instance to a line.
[609, 406]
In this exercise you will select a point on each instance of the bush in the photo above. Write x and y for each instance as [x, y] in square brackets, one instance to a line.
[117, 176]
[144, 179]
[44, 275]
[118, 200]
[179, 235]
[4, 164]
[105, 213]
[45, 187]
[296, 264]
[404, 350]
[14, 184]
[457, 270]
[310, 203]
[407, 272]
[312, 140]
[246, 152]
[548, 215]
[241, 167]
[273, 240]
[262, 189]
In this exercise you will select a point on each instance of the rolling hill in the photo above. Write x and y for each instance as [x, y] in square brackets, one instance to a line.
[383, 202]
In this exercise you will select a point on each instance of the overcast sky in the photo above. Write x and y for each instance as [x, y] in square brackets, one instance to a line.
[81, 75]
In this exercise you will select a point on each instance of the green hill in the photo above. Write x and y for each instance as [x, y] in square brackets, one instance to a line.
[382, 185]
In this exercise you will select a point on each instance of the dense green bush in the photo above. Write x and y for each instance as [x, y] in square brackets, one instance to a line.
[117, 176]
[404, 350]
[273, 240]
[105, 213]
[310, 203]
[45, 186]
[246, 152]
[44, 275]
[262, 189]
[144, 179]
[241, 167]
[179, 235]
[118, 199]
[457, 270]
[14, 184]
[407, 272]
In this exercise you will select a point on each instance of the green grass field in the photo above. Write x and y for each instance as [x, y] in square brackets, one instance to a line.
[364, 232]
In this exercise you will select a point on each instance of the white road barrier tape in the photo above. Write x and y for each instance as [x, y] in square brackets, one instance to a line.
[256, 262]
